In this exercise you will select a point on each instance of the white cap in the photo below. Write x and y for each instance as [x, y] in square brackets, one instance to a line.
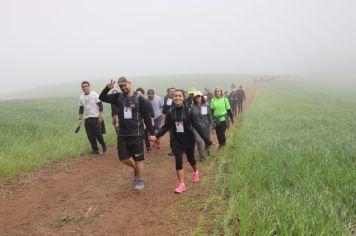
[198, 93]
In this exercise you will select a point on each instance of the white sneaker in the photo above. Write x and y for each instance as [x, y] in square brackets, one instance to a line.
[139, 185]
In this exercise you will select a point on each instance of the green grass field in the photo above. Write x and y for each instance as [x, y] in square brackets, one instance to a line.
[290, 168]
[36, 132]
[40, 131]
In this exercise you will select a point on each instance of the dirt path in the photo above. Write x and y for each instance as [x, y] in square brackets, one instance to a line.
[95, 196]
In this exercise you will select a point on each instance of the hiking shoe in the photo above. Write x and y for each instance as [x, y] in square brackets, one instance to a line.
[171, 154]
[134, 178]
[105, 150]
[139, 185]
[148, 150]
[202, 159]
[196, 177]
[181, 188]
[94, 153]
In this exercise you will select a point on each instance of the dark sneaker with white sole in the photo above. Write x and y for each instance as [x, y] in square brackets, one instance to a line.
[105, 150]
[94, 153]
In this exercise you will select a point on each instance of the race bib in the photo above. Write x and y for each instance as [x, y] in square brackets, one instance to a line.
[127, 113]
[179, 127]
[204, 110]
[169, 101]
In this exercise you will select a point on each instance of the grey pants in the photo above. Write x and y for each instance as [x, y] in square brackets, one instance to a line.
[200, 142]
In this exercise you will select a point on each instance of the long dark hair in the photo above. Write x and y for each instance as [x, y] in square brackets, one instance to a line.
[181, 91]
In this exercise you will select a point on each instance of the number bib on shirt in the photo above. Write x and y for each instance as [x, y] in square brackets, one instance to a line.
[169, 101]
[179, 127]
[204, 110]
[127, 113]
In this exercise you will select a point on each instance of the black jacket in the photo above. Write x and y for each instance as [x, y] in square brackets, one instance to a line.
[140, 113]
[189, 101]
[166, 107]
[187, 138]
[240, 94]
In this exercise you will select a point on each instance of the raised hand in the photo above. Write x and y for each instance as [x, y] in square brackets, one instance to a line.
[111, 84]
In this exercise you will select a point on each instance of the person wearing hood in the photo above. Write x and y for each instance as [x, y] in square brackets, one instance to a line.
[200, 111]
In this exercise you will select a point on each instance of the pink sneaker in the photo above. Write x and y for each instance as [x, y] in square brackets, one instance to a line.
[181, 188]
[196, 177]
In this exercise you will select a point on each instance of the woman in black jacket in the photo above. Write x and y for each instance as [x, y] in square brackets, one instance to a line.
[181, 124]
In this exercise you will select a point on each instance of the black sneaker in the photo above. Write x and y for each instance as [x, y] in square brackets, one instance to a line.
[105, 150]
[94, 153]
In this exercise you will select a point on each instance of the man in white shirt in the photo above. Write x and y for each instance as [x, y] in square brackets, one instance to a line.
[91, 109]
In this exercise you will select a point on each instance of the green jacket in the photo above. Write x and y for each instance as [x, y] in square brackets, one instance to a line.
[220, 106]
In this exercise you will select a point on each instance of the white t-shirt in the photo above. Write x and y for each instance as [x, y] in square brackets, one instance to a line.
[90, 104]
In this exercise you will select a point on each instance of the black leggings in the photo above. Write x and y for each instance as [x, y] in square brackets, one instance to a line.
[178, 154]
[220, 132]
[171, 140]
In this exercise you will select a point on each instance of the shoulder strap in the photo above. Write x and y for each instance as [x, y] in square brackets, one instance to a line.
[189, 110]
[225, 99]
[137, 99]
[170, 111]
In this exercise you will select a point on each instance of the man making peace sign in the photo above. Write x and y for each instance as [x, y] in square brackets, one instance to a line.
[133, 112]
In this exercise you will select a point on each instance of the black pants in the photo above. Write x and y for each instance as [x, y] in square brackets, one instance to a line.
[94, 132]
[178, 154]
[147, 142]
[240, 106]
[220, 133]
[234, 107]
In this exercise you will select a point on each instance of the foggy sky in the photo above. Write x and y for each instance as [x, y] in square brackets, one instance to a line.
[44, 42]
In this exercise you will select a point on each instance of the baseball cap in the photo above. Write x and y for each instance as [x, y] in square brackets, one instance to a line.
[198, 93]
[122, 81]
[191, 90]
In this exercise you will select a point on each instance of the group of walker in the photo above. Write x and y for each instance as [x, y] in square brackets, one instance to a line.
[189, 117]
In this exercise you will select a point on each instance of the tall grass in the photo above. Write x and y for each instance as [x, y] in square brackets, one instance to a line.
[293, 172]
[39, 131]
